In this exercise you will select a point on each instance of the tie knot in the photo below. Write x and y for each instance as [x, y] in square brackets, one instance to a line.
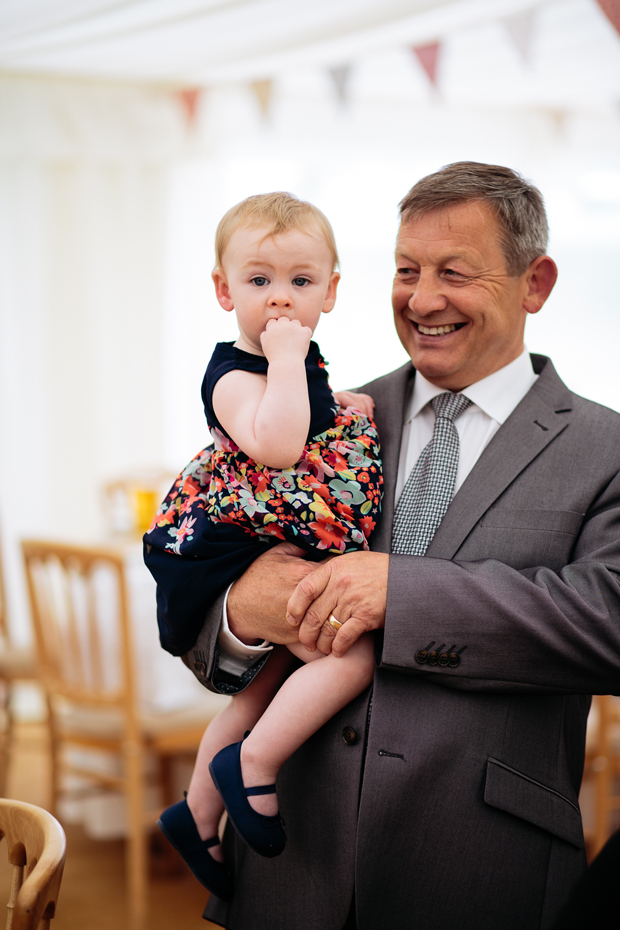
[450, 406]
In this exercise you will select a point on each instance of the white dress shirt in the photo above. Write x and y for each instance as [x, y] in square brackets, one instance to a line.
[493, 400]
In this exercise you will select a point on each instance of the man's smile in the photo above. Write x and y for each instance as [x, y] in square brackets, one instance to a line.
[438, 330]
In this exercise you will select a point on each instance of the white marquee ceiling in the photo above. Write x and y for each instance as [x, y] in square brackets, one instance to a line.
[212, 41]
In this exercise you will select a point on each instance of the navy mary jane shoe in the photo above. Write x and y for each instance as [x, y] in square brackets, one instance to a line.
[265, 835]
[179, 828]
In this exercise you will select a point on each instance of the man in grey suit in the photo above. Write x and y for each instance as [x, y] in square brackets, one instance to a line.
[446, 796]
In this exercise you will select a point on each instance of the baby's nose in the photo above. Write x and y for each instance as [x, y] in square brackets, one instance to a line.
[280, 299]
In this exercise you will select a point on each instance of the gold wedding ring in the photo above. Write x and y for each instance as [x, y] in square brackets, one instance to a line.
[335, 624]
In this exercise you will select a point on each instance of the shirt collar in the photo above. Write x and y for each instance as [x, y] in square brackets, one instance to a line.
[497, 395]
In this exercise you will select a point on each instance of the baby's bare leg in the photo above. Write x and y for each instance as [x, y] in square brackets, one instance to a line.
[228, 727]
[306, 700]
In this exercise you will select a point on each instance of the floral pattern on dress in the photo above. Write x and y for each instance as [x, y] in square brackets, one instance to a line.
[329, 500]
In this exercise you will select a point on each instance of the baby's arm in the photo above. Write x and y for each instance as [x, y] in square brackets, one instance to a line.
[268, 418]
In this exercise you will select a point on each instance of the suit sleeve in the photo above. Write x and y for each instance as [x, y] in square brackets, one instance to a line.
[517, 630]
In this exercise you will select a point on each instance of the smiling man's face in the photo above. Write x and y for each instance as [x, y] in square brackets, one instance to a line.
[458, 312]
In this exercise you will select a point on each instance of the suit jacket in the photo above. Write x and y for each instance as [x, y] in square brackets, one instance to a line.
[447, 795]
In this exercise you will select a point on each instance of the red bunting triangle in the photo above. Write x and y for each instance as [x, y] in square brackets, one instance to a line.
[611, 9]
[428, 56]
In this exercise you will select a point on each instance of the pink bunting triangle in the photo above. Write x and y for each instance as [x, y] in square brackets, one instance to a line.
[611, 9]
[189, 98]
[428, 56]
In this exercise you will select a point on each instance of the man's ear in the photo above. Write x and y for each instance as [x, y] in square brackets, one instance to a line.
[222, 291]
[540, 278]
[330, 296]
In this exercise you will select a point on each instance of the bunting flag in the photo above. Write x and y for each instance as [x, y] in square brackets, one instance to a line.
[340, 77]
[520, 28]
[189, 98]
[428, 56]
[263, 91]
[611, 9]
[558, 120]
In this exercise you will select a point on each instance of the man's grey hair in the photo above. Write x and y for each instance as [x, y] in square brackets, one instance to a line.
[517, 204]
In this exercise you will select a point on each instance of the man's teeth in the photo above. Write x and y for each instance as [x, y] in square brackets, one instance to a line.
[436, 330]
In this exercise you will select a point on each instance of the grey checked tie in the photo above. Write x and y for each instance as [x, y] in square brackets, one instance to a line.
[430, 486]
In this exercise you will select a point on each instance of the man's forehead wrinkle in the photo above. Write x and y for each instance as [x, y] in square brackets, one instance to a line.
[438, 254]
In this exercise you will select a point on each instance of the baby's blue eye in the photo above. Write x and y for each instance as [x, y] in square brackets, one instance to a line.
[260, 281]
[300, 282]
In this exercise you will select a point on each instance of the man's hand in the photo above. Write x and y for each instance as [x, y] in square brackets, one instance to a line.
[363, 402]
[353, 588]
[257, 601]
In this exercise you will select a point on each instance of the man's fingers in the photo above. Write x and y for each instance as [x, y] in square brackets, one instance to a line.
[302, 603]
[348, 634]
[287, 548]
[326, 634]
[315, 624]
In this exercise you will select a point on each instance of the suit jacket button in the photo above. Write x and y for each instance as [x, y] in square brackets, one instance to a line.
[349, 736]
[454, 660]
[432, 657]
[443, 659]
[421, 656]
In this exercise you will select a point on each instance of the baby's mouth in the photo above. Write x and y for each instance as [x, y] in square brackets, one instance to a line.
[438, 330]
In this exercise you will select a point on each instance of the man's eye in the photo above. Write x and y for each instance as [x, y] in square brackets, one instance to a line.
[300, 282]
[403, 272]
[260, 281]
[451, 273]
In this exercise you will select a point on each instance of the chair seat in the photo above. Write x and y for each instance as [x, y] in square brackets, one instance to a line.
[176, 729]
[17, 663]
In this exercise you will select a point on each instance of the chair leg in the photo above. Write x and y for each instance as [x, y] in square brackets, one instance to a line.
[137, 863]
[54, 751]
[603, 778]
[7, 736]
[166, 766]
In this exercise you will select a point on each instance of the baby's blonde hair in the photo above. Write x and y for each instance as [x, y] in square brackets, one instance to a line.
[279, 213]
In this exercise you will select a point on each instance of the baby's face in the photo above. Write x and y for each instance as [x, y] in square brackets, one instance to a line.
[263, 279]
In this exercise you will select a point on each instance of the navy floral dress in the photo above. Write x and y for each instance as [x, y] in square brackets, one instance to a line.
[224, 507]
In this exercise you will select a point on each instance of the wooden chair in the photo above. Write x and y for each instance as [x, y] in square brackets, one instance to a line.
[602, 768]
[16, 664]
[79, 603]
[36, 845]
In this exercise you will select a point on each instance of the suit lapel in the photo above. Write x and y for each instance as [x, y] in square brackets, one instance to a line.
[534, 423]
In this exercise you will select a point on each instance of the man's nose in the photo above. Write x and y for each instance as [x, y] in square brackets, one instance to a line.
[427, 295]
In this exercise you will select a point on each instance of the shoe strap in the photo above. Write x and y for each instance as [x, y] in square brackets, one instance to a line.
[261, 789]
[212, 841]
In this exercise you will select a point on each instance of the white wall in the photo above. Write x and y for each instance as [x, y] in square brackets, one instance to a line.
[83, 188]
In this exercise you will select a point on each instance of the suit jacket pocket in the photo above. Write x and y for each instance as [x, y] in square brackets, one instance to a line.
[518, 794]
[551, 521]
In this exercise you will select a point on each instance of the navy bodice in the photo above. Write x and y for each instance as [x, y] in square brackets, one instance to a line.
[227, 358]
